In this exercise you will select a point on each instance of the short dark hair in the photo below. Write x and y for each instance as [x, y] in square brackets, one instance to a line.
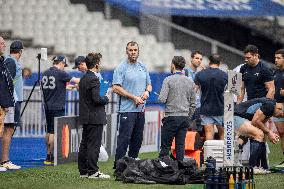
[251, 49]
[132, 43]
[280, 51]
[179, 62]
[93, 59]
[195, 53]
[214, 59]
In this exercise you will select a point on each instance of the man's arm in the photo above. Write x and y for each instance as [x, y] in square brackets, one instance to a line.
[258, 121]
[270, 88]
[11, 67]
[164, 92]
[147, 92]
[192, 100]
[240, 98]
[122, 92]
[196, 88]
[75, 80]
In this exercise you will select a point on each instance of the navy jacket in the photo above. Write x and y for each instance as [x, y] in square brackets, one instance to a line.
[6, 98]
[91, 104]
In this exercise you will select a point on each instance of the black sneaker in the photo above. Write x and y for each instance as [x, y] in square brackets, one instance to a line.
[114, 165]
[49, 160]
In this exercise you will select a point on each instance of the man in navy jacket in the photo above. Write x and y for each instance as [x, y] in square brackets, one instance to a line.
[7, 74]
[92, 116]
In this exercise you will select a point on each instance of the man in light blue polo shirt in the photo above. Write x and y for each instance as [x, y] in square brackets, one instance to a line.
[16, 50]
[131, 81]
[195, 65]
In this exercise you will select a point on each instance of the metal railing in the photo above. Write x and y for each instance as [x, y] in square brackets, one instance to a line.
[34, 118]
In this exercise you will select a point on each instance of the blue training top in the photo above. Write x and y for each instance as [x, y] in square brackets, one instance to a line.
[254, 79]
[134, 78]
[54, 88]
[279, 84]
[18, 79]
[247, 109]
[212, 82]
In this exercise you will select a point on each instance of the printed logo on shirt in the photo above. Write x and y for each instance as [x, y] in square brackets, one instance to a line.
[124, 117]
[256, 74]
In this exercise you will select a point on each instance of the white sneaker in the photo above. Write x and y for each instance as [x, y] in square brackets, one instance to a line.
[84, 176]
[260, 171]
[99, 175]
[10, 165]
[280, 165]
[2, 169]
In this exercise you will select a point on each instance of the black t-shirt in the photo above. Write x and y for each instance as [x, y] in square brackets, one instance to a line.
[254, 79]
[248, 108]
[54, 88]
[212, 82]
[279, 83]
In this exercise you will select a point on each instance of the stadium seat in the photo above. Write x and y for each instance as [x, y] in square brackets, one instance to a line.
[71, 29]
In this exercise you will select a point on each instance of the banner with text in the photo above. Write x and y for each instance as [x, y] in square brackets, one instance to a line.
[220, 8]
[68, 135]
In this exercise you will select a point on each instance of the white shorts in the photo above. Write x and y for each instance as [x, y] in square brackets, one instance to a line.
[9, 118]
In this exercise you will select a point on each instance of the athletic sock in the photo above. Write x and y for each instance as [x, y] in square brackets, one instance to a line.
[263, 157]
[255, 150]
[48, 157]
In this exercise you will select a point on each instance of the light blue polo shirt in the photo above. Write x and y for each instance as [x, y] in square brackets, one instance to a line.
[18, 80]
[134, 78]
[192, 74]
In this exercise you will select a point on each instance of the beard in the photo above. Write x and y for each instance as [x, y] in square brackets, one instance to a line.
[133, 58]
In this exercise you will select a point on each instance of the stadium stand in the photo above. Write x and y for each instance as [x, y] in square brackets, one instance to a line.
[72, 30]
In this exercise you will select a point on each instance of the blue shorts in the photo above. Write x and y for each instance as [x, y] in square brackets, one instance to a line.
[278, 119]
[239, 121]
[216, 120]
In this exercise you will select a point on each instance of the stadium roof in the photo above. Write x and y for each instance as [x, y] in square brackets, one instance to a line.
[220, 8]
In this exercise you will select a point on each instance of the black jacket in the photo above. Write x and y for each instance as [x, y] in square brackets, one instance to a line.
[6, 93]
[91, 104]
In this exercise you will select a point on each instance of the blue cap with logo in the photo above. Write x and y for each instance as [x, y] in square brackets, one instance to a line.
[60, 58]
[16, 45]
[78, 61]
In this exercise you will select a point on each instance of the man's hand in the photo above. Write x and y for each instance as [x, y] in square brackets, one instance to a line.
[109, 93]
[281, 92]
[145, 95]
[71, 87]
[273, 137]
[138, 100]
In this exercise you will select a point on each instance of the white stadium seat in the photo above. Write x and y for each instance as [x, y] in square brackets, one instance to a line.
[71, 29]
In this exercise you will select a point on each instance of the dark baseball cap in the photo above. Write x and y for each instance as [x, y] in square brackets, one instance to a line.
[60, 58]
[16, 45]
[78, 61]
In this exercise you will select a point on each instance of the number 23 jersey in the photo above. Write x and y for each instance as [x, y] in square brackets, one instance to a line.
[54, 88]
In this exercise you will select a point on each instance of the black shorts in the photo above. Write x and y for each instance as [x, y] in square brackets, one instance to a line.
[50, 115]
